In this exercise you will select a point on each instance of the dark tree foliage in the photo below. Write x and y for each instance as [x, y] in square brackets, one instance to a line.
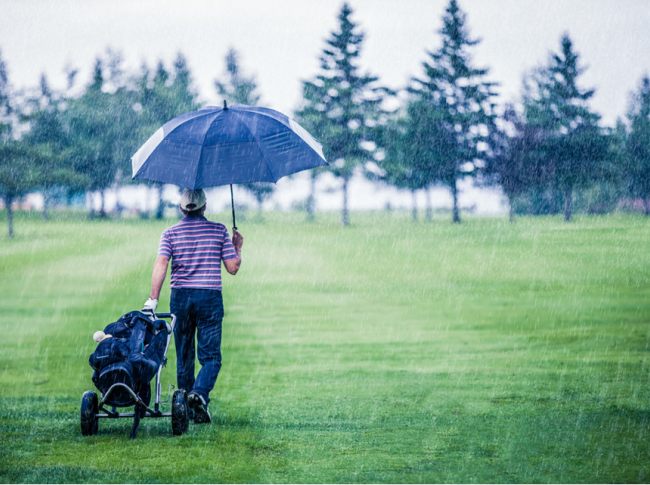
[396, 166]
[574, 147]
[638, 144]
[49, 137]
[5, 101]
[455, 112]
[341, 106]
[163, 95]
[160, 97]
[515, 163]
[238, 88]
[103, 128]
[19, 173]
[18, 163]
[414, 146]
[86, 143]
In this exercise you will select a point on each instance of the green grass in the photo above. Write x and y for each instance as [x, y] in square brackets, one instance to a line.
[383, 352]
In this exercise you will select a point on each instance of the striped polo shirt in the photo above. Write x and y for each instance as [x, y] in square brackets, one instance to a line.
[196, 248]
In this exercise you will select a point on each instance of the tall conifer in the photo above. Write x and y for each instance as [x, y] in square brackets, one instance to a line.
[456, 108]
[574, 147]
[341, 104]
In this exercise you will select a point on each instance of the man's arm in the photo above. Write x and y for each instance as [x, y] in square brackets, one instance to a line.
[232, 265]
[158, 277]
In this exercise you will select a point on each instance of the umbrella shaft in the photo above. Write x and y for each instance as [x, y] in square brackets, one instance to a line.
[232, 201]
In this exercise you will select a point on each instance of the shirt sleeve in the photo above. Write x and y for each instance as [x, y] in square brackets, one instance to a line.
[165, 248]
[227, 250]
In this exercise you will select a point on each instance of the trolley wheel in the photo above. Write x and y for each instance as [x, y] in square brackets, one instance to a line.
[180, 418]
[89, 409]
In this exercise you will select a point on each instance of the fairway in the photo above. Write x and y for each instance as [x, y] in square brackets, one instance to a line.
[388, 351]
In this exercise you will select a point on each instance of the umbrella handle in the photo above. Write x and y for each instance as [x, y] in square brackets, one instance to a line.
[232, 201]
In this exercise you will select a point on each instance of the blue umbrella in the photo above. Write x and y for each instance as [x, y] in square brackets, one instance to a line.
[230, 145]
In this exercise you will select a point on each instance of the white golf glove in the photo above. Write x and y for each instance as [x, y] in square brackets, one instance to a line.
[150, 306]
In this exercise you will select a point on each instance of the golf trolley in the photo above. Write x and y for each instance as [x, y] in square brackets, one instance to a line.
[122, 394]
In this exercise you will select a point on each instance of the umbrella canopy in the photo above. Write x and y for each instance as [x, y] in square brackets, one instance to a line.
[219, 146]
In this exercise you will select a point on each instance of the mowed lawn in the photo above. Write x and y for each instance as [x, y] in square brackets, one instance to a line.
[388, 351]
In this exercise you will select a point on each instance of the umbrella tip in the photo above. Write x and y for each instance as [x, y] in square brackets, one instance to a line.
[225, 105]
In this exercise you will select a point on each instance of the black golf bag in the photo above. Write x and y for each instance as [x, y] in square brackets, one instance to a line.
[131, 356]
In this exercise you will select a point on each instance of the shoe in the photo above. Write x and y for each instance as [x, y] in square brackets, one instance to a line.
[199, 408]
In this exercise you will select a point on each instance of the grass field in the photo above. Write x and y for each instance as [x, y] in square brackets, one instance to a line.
[383, 352]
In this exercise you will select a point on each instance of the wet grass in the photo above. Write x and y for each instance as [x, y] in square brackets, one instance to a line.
[383, 352]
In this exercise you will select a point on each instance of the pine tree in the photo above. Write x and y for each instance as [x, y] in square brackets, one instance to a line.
[413, 144]
[453, 131]
[235, 86]
[574, 147]
[341, 105]
[638, 143]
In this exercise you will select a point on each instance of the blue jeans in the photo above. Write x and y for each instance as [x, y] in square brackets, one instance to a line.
[199, 311]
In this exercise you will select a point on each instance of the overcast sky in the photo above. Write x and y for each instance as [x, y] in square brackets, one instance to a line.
[280, 41]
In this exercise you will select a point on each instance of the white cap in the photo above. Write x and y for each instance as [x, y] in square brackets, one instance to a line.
[192, 200]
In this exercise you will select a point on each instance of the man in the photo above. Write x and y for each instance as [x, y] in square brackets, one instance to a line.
[196, 247]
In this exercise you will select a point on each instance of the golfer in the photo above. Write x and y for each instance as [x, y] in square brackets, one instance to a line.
[196, 248]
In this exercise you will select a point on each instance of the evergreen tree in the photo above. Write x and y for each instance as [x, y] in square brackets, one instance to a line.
[574, 147]
[413, 145]
[638, 143]
[237, 88]
[341, 106]
[454, 106]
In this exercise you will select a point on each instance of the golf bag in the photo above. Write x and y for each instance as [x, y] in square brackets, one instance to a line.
[131, 356]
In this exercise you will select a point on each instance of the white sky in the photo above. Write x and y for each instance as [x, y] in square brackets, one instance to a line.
[279, 41]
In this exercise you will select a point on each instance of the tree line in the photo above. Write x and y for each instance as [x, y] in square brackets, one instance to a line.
[549, 153]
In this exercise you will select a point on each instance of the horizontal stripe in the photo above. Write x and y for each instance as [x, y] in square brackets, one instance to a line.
[204, 245]
[194, 240]
[188, 233]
